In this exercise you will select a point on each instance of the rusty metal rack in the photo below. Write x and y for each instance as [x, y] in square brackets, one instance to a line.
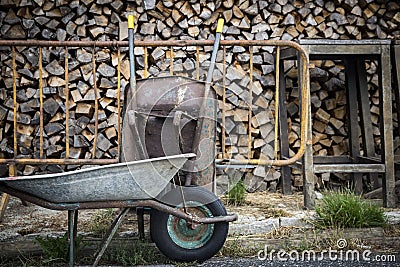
[277, 161]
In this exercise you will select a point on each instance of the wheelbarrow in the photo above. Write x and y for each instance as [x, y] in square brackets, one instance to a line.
[165, 120]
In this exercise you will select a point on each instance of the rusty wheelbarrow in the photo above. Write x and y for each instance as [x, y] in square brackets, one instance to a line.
[168, 149]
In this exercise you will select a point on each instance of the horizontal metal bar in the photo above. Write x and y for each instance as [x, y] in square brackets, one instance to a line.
[168, 43]
[116, 204]
[59, 161]
[223, 166]
[349, 168]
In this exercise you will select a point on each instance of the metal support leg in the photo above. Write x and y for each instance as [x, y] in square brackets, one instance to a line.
[286, 175]
[72, 232]
[354, 142]
[110, 234]
[389, 196]
[365, 118]
[140, 218]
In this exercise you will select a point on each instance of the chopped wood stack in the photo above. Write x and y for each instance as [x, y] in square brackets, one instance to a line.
[186, 19]
[80, 105]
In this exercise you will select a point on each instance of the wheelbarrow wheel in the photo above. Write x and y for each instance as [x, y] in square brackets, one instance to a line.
[185, 242]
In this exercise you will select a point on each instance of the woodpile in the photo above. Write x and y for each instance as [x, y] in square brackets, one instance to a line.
[81, 103]
[186, 19]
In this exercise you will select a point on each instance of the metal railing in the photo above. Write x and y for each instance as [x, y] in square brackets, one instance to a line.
[304, 89]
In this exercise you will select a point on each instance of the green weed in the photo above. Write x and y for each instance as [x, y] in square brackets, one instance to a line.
[344, 209]
[101, 222]
[237, 194]
[57, 249]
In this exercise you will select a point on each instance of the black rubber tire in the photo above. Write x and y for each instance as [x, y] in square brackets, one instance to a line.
[164, 242]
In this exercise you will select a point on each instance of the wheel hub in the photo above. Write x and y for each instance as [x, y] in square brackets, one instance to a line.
[190, 235]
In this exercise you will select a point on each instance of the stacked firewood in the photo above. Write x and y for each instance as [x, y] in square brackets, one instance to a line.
[80, 104]
[164, 20]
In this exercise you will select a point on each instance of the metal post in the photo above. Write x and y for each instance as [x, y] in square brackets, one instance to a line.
[96, 105]
[119, 101]
[140, 218]
[71, 235]
[171, 61]
[66, 105]
[223, 129]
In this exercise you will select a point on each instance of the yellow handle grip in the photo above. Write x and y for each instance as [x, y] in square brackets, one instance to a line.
[220, 25]
[131, 21]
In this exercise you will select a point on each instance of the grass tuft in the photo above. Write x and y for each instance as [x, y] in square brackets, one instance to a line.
[101, 222]
[346, 210]
[57, 249]
[136, 254]
[237, 194]
[237, 248]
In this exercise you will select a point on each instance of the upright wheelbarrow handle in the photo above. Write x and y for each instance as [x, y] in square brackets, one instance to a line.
[133, 124]
[220, 26]
[203, 107]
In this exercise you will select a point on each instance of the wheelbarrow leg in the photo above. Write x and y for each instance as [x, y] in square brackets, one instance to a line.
[72, 231]
[110, 234]
[140, 218]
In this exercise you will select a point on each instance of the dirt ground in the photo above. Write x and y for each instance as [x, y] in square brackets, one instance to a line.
[21, 220]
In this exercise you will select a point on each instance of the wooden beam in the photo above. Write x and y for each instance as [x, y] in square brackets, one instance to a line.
[5, 198]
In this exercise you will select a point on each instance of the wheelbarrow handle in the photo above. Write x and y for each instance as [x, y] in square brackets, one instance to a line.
[204, 107]
[219, 29]
[133, 124]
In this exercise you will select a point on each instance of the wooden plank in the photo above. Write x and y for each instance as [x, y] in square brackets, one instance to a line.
[396, 57]
[286, 176]
[385, 98]
[342, 49]
[288, 53]
[308, 172]
[370, 44]
[354, 145]
[349, 168]
[367, 132]
[330, 159]
[378, 191]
